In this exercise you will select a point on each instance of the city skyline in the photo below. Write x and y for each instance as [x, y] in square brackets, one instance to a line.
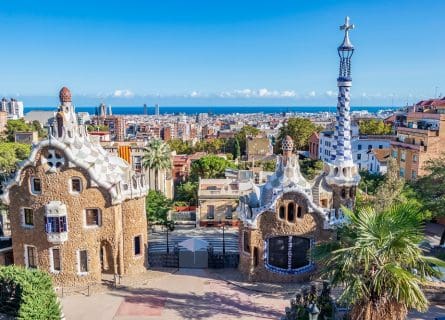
[253, 53]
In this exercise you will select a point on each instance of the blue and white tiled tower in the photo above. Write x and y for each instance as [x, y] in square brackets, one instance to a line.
[343, 173]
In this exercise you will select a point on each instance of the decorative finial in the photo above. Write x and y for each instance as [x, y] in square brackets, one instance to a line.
[346, 27]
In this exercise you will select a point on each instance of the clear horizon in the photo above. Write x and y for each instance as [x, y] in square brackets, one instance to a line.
[201, 53]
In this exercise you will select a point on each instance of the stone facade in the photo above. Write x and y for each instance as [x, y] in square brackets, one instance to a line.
[253, 258]
[60, 207]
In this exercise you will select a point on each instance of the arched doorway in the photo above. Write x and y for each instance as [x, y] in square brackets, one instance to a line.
[106, 257]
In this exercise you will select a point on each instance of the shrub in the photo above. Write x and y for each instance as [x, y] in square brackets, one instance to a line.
[27, 294]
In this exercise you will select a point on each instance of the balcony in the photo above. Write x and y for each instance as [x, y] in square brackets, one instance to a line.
[410, 146]
[219, 194]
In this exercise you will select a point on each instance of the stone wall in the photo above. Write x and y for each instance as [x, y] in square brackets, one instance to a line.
[55, 187]
[134, 224]
[310, 225]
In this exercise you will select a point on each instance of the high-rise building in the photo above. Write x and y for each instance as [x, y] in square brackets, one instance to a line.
[157, 109]
[13, 108]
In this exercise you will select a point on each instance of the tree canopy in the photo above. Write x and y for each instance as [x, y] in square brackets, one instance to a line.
[431, 187]
[299, 129]
[10, 154]
[157, 207]
[28, 294]
[379, 262]
[210, 166]
[187, 192]
[157, 157]
[374, 127]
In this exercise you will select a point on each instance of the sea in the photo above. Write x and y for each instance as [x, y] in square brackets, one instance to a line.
[193, 110]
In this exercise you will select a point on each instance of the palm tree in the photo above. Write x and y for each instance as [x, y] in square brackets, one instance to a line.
[378, 261]
[156, 157]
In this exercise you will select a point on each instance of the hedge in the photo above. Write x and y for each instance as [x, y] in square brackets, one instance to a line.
[28, 294]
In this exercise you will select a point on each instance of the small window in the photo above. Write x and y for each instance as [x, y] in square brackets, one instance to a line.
[281, 212]
[291, 212]
[413, 174]
[28, 217]
[92, 217]
[229, 212]
[343, 193]
[55, 224]
[31, 257]
[402, 172]
[36, 185]
[300, 211]
[137, 245]
[351, 193]
[414, 158]
[76, 185]
[369, 146]
[359, 147]
[246, 241]
[55, 259]
[83, 261]
[359, 156]
[210, 212]
[394, 154]
[380, 146]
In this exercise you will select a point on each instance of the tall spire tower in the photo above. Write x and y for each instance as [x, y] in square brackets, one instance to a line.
[343, 173]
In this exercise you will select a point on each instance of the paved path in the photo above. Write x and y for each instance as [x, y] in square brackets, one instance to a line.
[187, 294]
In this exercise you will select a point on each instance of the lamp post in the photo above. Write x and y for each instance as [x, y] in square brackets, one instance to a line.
[224, 241]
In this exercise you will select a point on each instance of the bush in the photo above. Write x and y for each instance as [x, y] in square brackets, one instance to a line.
[27, 294]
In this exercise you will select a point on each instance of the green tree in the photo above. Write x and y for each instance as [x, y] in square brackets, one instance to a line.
[157, 207]
[97, 127]
[13, 126]
[370, 181]
[156, 157]
[310, 168]
[180, 146]
[379, 262]
[36, 126]
[10, 154]
[299, 129]
[187, 192]
[374, 127]
[27, 294]
[236, 149]
[210, 166]
[431, 187]
[242, 135]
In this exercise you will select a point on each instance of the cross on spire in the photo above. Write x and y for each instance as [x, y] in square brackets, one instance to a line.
[346, 42]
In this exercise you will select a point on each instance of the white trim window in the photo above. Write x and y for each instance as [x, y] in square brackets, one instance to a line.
[55, 260]
[75, 185]
[30, 256]
[35, 185]
[27, 217]
[93, 217]
[83, 262]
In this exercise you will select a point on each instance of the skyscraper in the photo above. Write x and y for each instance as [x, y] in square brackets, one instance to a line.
[157, 109]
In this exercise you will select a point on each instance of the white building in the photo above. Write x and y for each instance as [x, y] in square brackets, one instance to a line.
[378, 162]
[361, 146]
[13, 108]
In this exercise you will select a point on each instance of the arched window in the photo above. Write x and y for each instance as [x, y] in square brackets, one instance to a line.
[291, 212]
[299, 212]
[343, 193]
[288, 253]
[351, 193]
[281, 212]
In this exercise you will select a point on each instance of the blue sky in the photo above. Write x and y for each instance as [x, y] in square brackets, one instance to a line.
[219, 52]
